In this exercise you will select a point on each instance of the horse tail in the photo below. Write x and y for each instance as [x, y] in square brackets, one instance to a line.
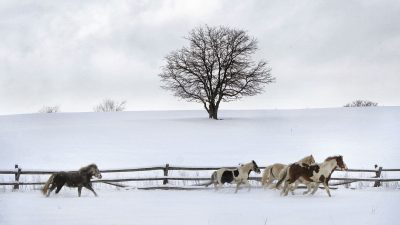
[47, 185]
[212, 179]
[266, 175]
[284, 174]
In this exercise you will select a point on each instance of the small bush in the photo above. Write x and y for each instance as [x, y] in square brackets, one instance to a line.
[361, 103]
[49, 109]
[109, 105]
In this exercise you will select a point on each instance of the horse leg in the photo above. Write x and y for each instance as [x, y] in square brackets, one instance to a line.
[59, 187]
[264, 179]
[89, 186]
[237, 186]
[216, 185]
[288, 186]
[316, 186]
[285, 189]
[308, 189]
[248, 184]
[327, 188]
[269, 182]
[293, 187]
[51, 189]
[79, 191]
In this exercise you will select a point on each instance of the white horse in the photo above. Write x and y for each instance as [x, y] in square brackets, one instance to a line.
[239, 175]
[274, 172]
[316, 173]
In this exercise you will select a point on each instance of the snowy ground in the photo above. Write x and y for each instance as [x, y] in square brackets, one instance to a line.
[201, 207]
[67, 141]
[364, 136]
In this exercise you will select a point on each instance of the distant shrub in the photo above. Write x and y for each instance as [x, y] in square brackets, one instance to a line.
[109, 105]
[361, 103]
[49, 109]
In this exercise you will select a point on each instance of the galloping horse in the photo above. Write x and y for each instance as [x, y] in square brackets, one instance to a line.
[72, 179]
[317, 173]
[239, 175]
[273, 172]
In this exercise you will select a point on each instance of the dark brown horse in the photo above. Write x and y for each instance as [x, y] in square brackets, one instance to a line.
[72, 179]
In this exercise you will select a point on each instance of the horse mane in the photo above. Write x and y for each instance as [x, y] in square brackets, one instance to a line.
[254, 163]
[86, 168]
[332, 157]
[304, 158]
[308, 158]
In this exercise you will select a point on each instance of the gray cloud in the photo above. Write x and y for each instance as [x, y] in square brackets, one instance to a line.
[74, 53]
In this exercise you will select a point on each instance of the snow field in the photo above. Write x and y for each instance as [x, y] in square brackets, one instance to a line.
[68, 141]
[368, 206]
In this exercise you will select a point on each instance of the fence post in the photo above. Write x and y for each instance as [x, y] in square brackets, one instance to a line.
[378, 175]
[17, 174]
[165, 181]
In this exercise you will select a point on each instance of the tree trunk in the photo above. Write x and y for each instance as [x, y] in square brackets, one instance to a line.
[213, 112]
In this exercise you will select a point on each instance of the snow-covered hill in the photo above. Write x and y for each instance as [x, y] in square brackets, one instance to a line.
[364, 136]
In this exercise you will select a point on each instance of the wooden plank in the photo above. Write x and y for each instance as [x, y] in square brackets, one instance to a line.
[169, 188]
[356, 170]
[40, 172]
[17, 175]
[378, 175]
[43, 172]
[132, 169]
[201, 168]
[22, 183]
[367, 179]
[391, 170]
[199, 179]
[165, 169]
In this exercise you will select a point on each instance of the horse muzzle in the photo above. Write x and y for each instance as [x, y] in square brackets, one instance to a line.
[98, 176]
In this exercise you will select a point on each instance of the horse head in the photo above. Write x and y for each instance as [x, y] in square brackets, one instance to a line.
[312, 160]
[307, 160]
[340, 163]
[255, 167]
[94, 171]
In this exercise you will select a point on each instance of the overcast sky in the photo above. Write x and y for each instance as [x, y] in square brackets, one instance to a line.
[76, 53]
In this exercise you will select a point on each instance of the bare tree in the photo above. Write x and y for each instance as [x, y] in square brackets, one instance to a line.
[50, 109]
[361, 103]
[109, 105]
[216, 66]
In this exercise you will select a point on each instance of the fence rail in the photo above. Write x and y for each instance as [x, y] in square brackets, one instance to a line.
[17, 172]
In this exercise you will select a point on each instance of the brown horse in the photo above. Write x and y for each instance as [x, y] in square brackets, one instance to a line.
[72, 179]
[317, 173]
[275, 172]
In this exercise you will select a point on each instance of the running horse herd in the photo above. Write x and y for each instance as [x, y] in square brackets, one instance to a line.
[304, 171]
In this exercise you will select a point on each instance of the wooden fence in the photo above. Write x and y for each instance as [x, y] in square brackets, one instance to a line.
[17, 172]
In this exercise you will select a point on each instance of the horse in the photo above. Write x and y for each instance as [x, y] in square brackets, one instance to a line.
[274, 171]
[72, 179]
[239, 175]
[317, 173]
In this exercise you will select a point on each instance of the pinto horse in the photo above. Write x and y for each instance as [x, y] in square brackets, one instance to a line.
[317, 173]
[273, 171]
[239, 175]
[72, 179]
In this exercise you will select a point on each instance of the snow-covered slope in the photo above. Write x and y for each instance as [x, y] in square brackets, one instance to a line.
[364, 136]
